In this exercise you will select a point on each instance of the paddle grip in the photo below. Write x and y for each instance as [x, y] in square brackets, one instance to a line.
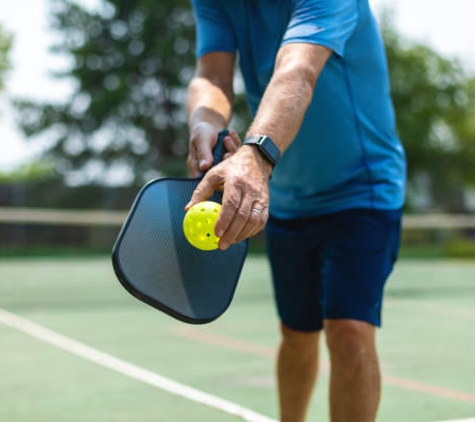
[219, 149]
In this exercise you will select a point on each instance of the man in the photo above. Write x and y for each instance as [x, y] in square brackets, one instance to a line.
[323, 149]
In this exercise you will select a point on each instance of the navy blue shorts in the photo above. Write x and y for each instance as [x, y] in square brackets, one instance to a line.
[333, 266]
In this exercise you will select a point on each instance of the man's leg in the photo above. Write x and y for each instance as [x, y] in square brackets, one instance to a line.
[357, 258]
[294, 265]
[297, 367]
[355, 378]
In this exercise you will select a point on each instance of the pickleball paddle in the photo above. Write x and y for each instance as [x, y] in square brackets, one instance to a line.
[156, 264]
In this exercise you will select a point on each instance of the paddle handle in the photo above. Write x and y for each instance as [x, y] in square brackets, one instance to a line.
[219, 149]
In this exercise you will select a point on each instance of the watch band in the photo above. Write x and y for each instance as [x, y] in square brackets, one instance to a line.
[265, 146]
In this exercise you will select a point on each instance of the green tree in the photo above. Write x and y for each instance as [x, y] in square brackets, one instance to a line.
[435, 109]
[5, 47]
[130, 61]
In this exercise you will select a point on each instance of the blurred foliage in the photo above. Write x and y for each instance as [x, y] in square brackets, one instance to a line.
[5, 47]
[461, 247]
[132, 60]
[434, 100]
[31, 172]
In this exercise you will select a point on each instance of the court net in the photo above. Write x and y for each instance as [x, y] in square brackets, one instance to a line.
[36, 230]
[39, 230]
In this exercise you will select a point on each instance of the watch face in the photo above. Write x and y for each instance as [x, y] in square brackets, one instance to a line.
[270, 148]
[266, 146]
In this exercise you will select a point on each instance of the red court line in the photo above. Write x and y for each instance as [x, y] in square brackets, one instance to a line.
[435, 390]
[207, 337]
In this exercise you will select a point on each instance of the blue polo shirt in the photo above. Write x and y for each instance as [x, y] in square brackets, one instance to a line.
[347, 153]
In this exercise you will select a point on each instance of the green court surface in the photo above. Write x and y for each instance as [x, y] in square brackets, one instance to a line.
[427, 347]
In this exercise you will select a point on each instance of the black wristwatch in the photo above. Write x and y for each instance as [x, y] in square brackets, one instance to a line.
[265, 146]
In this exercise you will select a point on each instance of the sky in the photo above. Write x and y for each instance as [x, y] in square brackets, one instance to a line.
[447, 26]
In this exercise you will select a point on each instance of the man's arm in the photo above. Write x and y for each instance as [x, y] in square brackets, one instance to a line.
[245, 174]
[210, 98]
[289, 92]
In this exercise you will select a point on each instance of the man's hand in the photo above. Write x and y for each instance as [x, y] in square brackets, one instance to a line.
[244, 178]
[203, 139]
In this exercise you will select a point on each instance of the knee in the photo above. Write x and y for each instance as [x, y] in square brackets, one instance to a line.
[350, 343]
[299, 339]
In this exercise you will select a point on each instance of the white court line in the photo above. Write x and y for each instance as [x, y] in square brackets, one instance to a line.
[460, 420]
[132, 371]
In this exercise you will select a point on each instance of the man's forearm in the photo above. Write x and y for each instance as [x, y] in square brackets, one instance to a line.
[289, 93]
[282, 109]
[209, 103]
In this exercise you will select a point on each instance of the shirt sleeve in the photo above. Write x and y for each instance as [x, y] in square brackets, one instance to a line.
[213, 30]
[326, 22]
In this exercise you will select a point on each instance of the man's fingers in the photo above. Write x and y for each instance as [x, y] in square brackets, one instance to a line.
[241, 217]
[202, 192]
[210, 183]
[257, 221]
[232, 142]
[202, 138]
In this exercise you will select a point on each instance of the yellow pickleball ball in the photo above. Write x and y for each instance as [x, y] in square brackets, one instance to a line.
[198, 225]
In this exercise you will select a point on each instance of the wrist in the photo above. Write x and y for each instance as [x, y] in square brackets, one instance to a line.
[266, 147]
[206, 117]
[264, 165]
[203, 126]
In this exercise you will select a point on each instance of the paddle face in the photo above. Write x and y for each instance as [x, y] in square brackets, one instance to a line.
[155, 262]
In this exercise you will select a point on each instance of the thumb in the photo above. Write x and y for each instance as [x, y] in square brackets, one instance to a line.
[204, 190]
[204, 156]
